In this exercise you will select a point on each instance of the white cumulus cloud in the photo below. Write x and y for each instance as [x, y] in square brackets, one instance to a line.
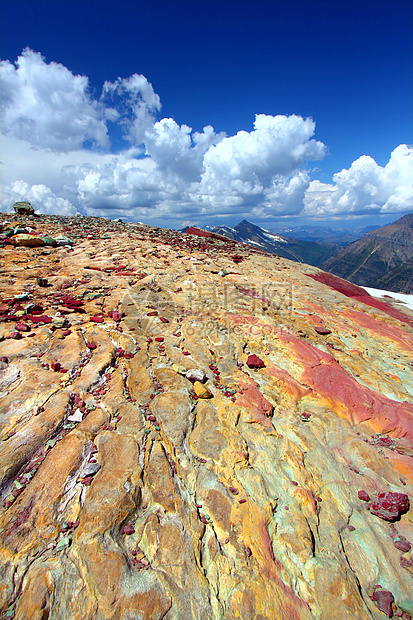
[366, 187]
[135, 104]
[58, 154]
[207, 173]
[40, 196]
[48, 106]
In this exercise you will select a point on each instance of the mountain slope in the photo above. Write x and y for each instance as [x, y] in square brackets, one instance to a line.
[382, 258]
[193, 429]
[312, 253]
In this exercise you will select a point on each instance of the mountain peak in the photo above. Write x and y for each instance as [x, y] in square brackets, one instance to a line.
[382, 258]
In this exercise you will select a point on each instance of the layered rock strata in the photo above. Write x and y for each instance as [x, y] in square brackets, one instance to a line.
[194, 429]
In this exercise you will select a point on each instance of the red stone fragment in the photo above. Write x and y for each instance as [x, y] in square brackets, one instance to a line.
[87, 480]
[233, 490]
[364, 496]
[91, 345]
[254, 361]
[15, 335]
[242, 501]
[56, 366]
[97, 319]
[390, 506]
[384, 600]
[402, 545]
[42, 318]
[159, 339]
[22, 327]
[4, 359]
[323, 331]
[116, 316]
[128, 530]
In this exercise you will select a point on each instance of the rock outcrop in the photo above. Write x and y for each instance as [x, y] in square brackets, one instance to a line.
[194, 429]
[23, 208]
[382, 258]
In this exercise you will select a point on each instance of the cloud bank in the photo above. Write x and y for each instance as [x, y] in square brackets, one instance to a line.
[366, 187]
[70, 149]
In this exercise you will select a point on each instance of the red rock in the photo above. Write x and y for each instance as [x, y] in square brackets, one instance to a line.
[42, 318]
[128, 530]
[56, 366]
[390, 506]
[384, 600]
[22, 327]
[15, 335]
[97, 319]
[357, 292]
[116, 316]
[159, 339]
[364, 496]
[323, 331]
[403, 545]
[4, 359]
[254, 361]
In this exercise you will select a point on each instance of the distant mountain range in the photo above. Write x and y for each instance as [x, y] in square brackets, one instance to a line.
[340, 236]
[311, 252]
[382, 258]
[376, 257]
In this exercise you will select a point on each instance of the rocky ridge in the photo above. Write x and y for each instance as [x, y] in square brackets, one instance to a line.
[382, 258]
[191, 428]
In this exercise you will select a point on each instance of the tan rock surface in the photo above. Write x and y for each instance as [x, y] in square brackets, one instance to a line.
[127, 494]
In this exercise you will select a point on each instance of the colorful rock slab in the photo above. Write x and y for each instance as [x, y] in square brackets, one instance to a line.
[177, 444]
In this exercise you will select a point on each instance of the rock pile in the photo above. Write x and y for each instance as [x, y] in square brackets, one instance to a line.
[182, 436]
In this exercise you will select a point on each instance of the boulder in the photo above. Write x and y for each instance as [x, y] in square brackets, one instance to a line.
[23, 208]
[390, 506]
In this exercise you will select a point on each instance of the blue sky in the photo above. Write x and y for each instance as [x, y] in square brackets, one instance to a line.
[331, 83]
